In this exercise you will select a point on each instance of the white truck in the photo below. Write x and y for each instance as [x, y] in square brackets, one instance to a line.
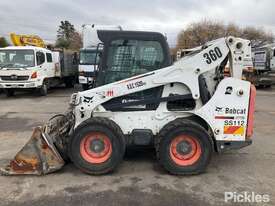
[263, 73]
[37, 68]
[90, 53]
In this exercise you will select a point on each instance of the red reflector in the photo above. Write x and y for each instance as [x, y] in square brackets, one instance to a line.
[34, 75]
[250, 122]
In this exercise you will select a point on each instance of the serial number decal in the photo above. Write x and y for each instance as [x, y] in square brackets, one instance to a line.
[136, 85]
[234, 123]
[212, 55]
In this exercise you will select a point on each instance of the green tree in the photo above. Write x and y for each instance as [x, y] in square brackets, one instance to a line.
[65, 30]
[68, 37]
[3, 42]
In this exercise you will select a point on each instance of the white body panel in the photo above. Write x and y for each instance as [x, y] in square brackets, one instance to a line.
[230, 96]
[227, 108]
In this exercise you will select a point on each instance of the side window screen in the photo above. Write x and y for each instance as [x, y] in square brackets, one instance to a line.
[127, 58]
[49, 57]
[40, 58]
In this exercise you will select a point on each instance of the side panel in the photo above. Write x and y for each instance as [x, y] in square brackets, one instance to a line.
[227, 111]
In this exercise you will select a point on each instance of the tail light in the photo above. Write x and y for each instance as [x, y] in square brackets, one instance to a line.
[251, 110]
[34, 75]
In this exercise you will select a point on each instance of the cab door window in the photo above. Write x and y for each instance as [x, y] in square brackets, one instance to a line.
[40, 58]
[128, 58]
[49, 57]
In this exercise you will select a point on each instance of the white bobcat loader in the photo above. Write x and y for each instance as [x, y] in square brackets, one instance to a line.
[186, 110]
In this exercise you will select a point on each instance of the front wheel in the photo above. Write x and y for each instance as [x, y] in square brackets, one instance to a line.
[69, 82]
[184, 147]
[43, 90]
[97, 146]
[9, 92]
[85, 87]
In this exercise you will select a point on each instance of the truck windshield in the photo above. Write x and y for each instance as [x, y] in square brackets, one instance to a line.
[89, 57]
[16, 58]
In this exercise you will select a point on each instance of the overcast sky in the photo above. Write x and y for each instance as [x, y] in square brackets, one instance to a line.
[42, 17]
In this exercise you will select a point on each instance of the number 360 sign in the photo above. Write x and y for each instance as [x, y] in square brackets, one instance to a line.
[212, 55]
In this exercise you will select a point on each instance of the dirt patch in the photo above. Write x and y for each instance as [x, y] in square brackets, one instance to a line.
[17, 124]
[125, 196]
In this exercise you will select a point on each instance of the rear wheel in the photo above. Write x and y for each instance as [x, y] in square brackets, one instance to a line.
[184, 147]
[97, 146]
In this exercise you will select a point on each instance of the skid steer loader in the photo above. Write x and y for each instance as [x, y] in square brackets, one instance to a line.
[187, 110]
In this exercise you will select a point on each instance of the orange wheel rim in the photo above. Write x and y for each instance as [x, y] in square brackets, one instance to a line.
[185, 150]
[96, 148]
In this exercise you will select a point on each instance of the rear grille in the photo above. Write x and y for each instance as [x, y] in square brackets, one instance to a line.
[14, 78]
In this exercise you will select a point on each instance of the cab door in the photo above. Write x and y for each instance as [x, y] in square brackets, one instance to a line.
[49, 64]
[40, 61]
[130, 57]
[45, 63]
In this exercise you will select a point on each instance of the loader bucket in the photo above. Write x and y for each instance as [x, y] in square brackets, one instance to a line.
[39, 156]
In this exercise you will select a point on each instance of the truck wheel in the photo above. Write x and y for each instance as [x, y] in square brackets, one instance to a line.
[69, 82]
[97, 146]
[9, 92]
[184, 147]
[43, 90]
[85, 87]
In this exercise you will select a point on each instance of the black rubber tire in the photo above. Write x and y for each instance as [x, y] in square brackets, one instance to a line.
[85, 87]
[114, 133]
[172, 130]
[43, 90]
[69, 82]
[9, 92]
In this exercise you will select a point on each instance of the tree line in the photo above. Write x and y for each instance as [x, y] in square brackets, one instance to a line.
[198, 33]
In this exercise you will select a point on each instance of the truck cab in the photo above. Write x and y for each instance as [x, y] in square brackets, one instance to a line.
[25, 67]
[88, 63]
[91, 52]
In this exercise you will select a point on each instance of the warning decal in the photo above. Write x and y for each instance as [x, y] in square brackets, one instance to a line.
[238, 130]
